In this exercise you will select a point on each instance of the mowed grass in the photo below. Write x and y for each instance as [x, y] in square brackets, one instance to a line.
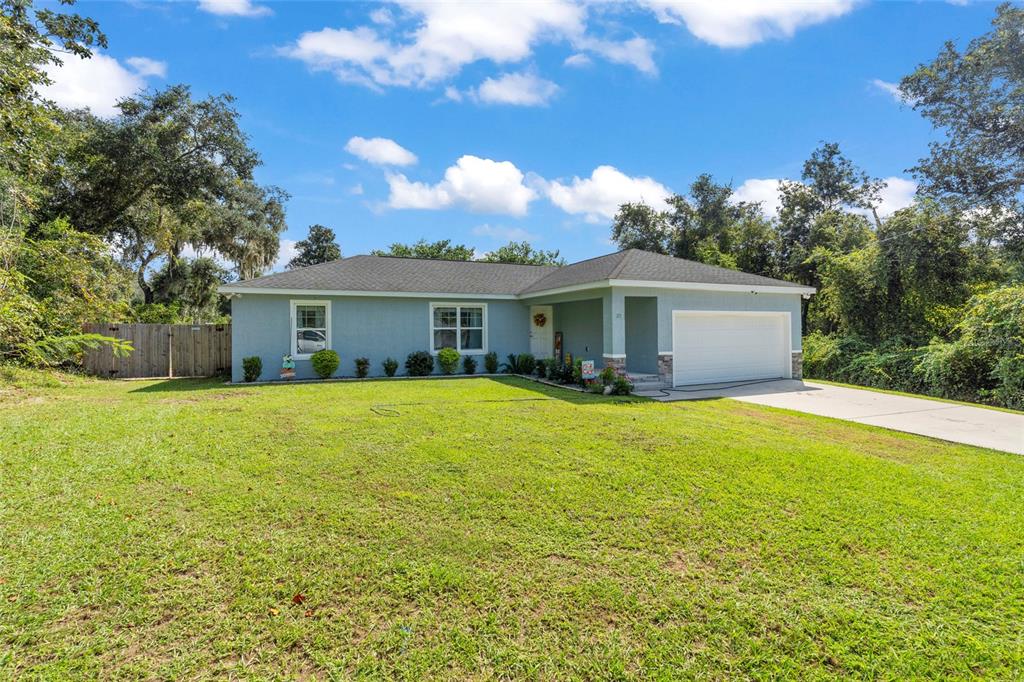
[482, 528]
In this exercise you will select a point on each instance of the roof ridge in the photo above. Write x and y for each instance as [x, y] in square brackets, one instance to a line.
[621, 264]
[452, 260]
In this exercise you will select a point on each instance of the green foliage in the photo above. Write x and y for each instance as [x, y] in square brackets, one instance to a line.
[325, 362]
[976, 98]
[157, 313]
[542, 368]
[523, 363]
[491, 363]
[638, 226]
[440, 250]
[560, 372]
[469, 364]
[190, 287]
[448, 360]
[621, 385]
[58, 350]
[252, 368]
[419, 364]
[607, 376]
[362, 367]
[523, 254]
[320, 246]
[390, 366]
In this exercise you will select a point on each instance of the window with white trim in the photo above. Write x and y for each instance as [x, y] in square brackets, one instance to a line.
[311, 327]
[459, 326]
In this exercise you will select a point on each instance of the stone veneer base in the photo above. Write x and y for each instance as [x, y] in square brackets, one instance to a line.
[665, 367]
[798, 364]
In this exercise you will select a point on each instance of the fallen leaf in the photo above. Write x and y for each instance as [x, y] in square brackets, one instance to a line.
[298, 598]
[309, 613]
[12, 598]
[274, 612]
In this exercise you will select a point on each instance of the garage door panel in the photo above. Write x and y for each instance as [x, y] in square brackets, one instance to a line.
[712, 347]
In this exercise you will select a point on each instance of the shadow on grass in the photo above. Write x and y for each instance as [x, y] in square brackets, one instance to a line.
[542, 391]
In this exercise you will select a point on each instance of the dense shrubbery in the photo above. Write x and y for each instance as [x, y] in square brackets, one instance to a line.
[984, 361]
[252, 368]
[419, 364]
[491, 363]
[325, 363]
[524, 363]
[448, 360]
[362, 367]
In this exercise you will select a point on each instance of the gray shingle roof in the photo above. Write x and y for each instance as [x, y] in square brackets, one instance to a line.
[416, 275]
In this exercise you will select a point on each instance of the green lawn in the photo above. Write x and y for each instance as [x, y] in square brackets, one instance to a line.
[491, 529]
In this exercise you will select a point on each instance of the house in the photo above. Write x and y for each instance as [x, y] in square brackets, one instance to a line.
[665, 319]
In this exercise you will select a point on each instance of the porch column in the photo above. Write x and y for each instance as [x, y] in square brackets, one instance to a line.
[614, 307]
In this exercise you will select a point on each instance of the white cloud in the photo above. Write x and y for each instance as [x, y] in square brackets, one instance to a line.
[739, 23]
[380, 151]
[891, 89]
[898, 193]
[96, 83]
[451, 92]
[356, 189]
[382, 16]
[479, 185]
[760, 190]
[599, 196]
[578, 60]
[500, 233]
[234, 8]
[144, 66]
[520, 89]
[286, 252]
[636, 52]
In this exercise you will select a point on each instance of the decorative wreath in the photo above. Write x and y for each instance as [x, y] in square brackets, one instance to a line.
[540, 319]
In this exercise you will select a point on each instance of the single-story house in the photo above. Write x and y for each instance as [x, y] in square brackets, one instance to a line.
[660, 318]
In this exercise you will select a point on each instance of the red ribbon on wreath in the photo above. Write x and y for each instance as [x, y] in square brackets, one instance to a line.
[540, 319]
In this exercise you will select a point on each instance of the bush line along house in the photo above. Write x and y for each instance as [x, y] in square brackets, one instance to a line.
[662, 319]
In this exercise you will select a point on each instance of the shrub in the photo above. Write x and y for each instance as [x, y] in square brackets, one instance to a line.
[469, 364]
[595, 387]
[419, 364]
[577, 371]
[252, 368]
[390, 367]
[448, 360]
[607, 376]
[560, 372]
[362, 367]
[621, 385]
[491, 362]
[524, 363]
[542, 368]
[325, 363]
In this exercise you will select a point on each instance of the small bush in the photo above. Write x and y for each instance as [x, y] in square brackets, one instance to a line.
[577, 371]
[362, 367]
[491, 362]
[560, 372]
[325, 363]
[252, 368]
[542, 368]
[524, 363]
[595, 387]
[448, 360]
[469, 364]
[390, 367]
[419, 364]
[607, 376]
[621, 386]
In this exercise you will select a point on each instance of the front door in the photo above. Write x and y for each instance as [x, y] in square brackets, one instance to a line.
[542, 336]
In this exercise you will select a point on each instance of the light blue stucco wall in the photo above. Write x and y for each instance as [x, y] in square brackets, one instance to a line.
[642, 334]
[582, 328]
[674, 299]
[361, 326]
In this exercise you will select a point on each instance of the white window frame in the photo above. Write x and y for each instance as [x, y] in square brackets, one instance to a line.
[458, 326]
[295, 328]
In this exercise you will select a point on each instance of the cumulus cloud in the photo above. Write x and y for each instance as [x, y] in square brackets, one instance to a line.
[636, 52]
[599, 196]
[740, 23]
[519, 89]
[287, 251]
[99, 82]
[380, 151]
[234, 8]
[479, 185]
[891, 89]
[898, 193]
[578, 60]
[760, 190]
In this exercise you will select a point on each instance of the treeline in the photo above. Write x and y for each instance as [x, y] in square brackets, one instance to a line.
[929, 299]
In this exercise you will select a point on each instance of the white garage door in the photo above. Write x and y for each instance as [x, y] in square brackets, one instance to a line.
[711, 347]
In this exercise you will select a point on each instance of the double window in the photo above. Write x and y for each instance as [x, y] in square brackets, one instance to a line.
[311, 327]
[459, 326]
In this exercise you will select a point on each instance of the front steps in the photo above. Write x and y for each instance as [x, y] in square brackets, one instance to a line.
[646, 382]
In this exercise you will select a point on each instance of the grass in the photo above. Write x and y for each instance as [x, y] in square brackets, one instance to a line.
[997, 408]
[491, 529]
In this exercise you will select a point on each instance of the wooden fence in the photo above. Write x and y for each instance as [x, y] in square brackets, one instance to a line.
[162, 350]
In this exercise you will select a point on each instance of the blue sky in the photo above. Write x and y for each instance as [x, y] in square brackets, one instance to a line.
[485, 122]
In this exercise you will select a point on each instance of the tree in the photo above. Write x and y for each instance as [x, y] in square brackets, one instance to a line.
[440, 250]
[977, 98]
[524, 254]
[638, 226]
[166, 173]
[31, 39]
[318, 247]
[188, 287]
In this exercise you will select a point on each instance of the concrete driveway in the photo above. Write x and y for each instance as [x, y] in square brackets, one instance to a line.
[948, 421]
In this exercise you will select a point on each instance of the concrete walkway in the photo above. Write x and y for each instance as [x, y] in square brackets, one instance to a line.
[948, 421]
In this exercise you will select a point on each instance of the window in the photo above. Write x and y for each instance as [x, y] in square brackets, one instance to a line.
[459, 326]
[311, 327]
